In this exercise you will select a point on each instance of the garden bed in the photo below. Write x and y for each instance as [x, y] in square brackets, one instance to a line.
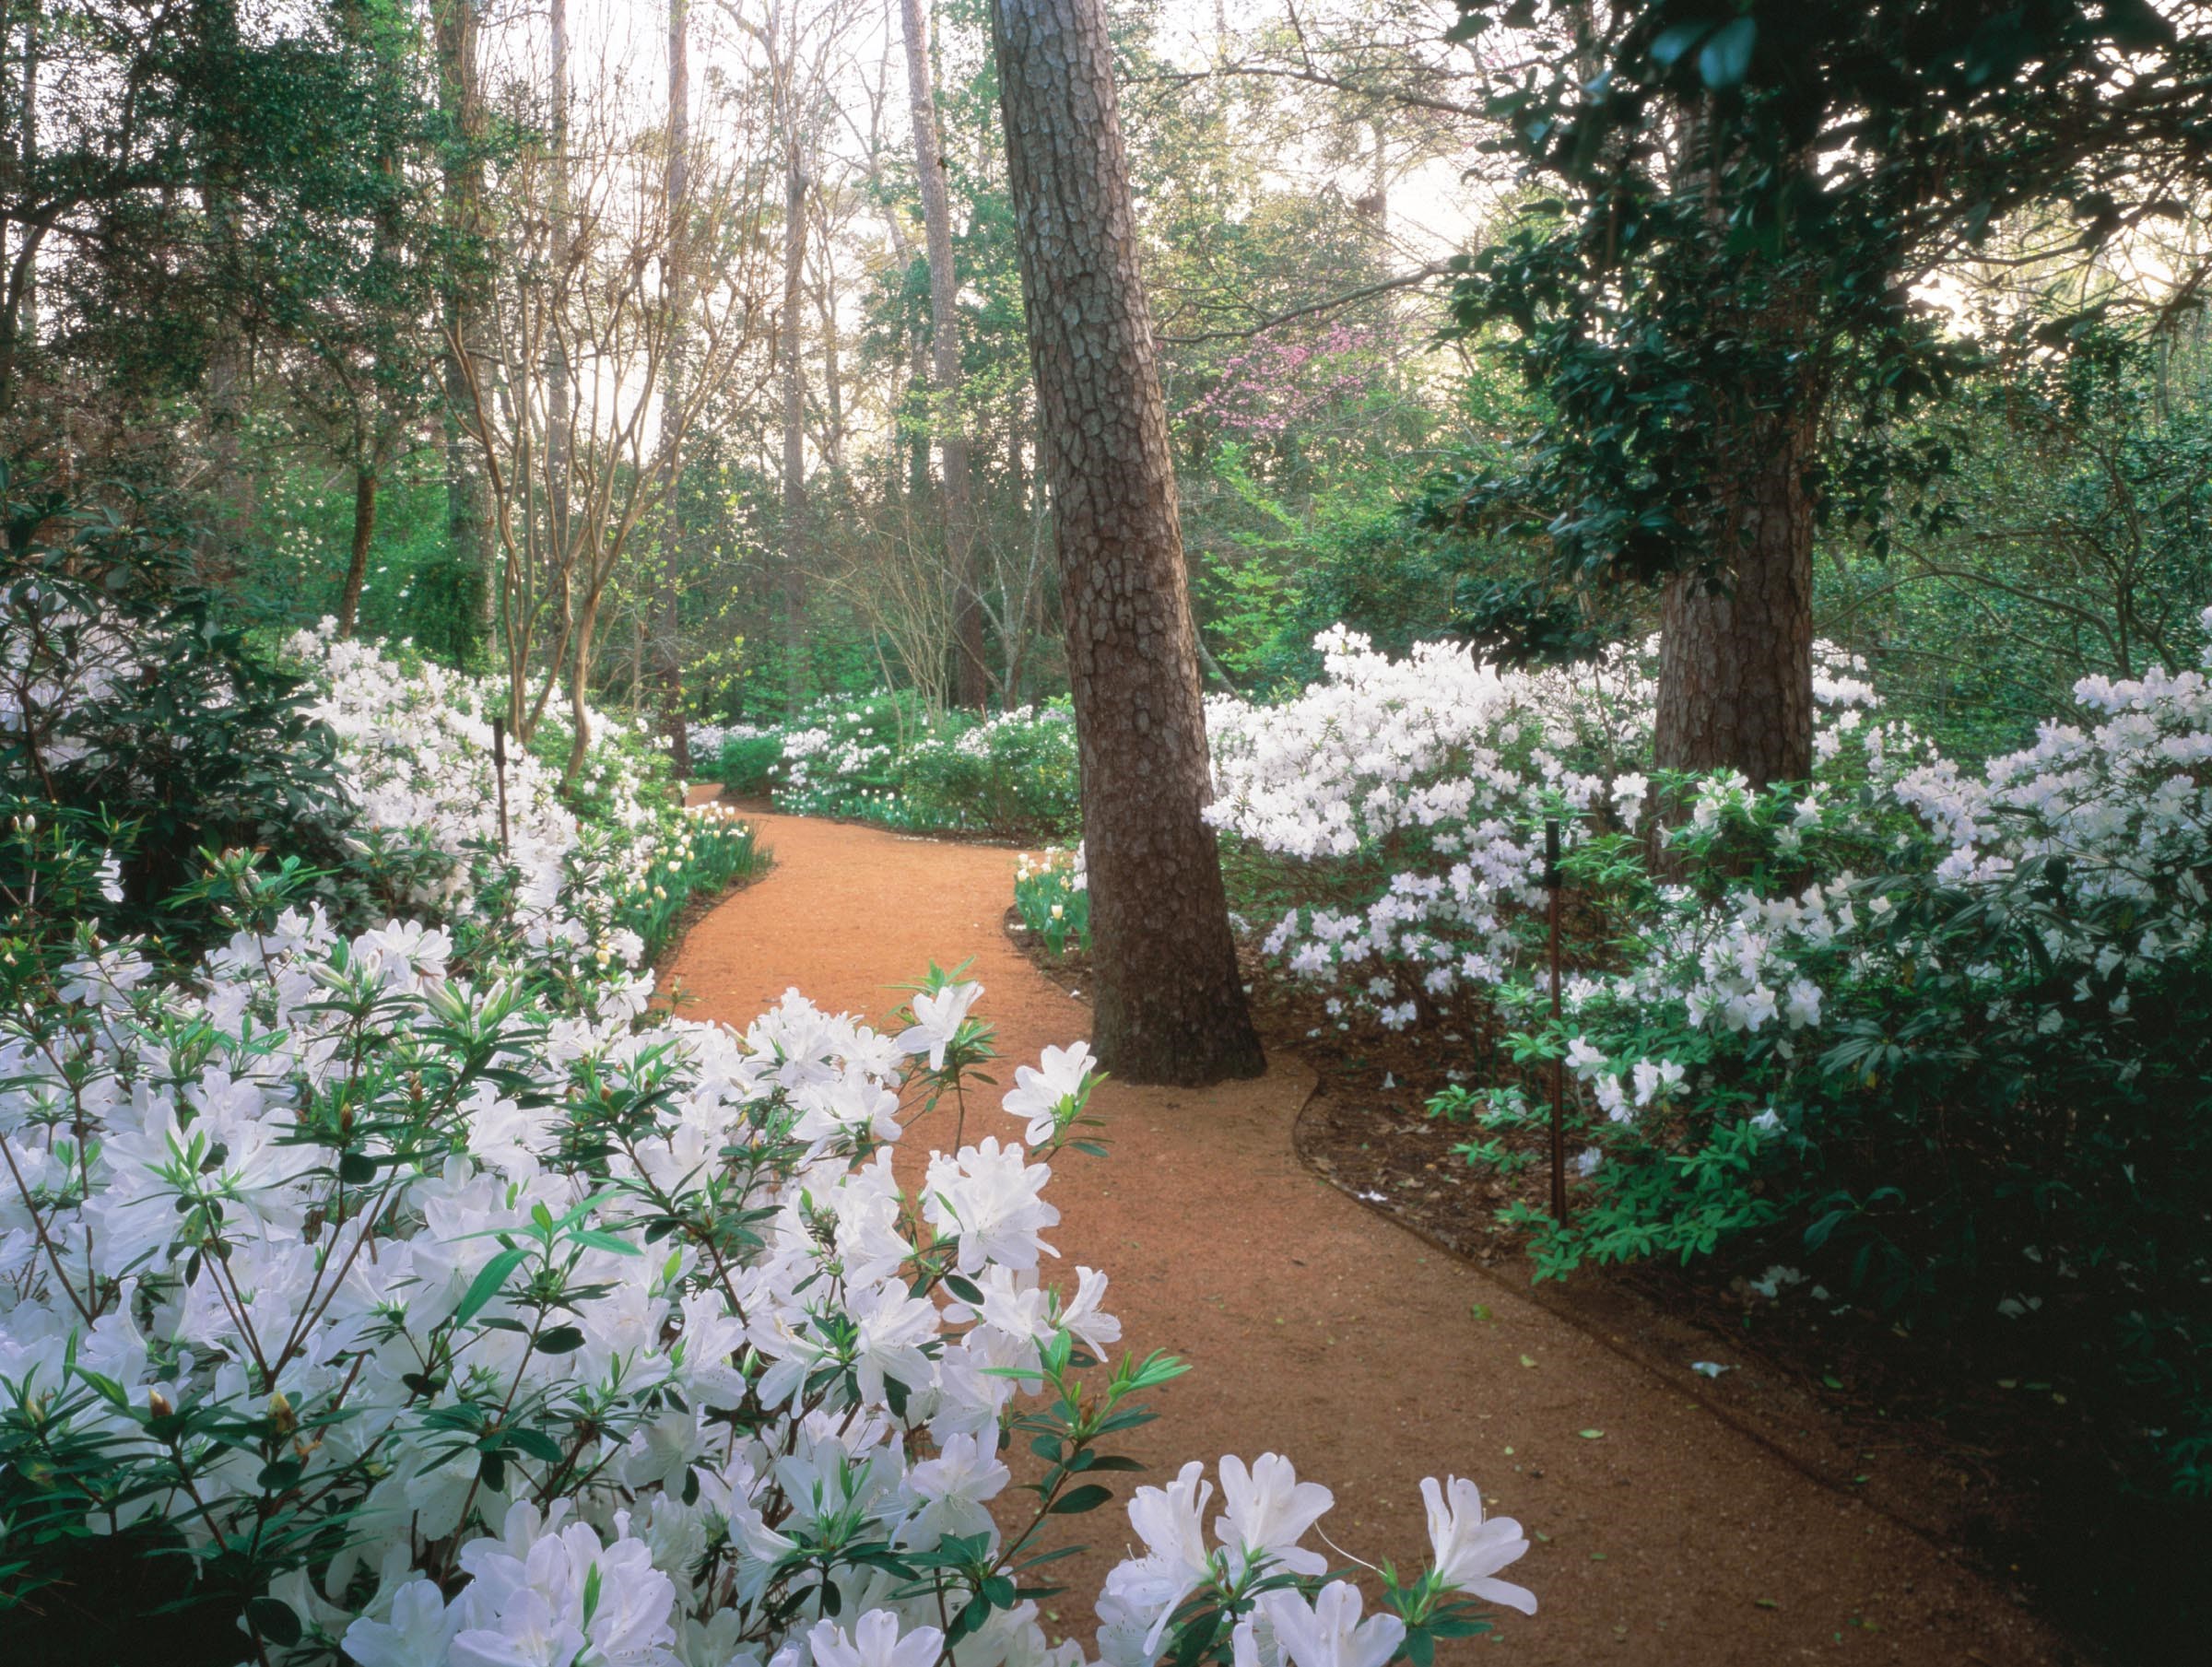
[1984, 1455]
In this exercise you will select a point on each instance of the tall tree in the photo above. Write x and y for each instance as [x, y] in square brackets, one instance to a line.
[469, 542]
[1169, 1005]
[956, 490]
[1719, 307]
[791, 347]
[668, 624]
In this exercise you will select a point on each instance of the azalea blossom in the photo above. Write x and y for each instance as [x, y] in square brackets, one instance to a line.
[1040, 1093]
[1468, 1550]
[937, 1019]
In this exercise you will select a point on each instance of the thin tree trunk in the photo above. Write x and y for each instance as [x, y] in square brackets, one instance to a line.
[1169, 1005]
[357, 565]
[556, 376]
[957, 495]
[669, 646]
[794, 417]
[27, 303]
[467, 499]
[833, 387]
[580, 683]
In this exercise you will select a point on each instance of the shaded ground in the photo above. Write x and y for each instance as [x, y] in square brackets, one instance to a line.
[1317, 1328]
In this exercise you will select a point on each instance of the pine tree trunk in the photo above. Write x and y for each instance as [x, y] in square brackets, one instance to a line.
[1736, 665]
[1169, 1005]
[357, 566]
[971, 684]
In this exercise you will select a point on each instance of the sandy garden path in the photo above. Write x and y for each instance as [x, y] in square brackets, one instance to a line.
[1316, 1329]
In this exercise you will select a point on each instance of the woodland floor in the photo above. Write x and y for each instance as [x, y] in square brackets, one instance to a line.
[1674, 1520]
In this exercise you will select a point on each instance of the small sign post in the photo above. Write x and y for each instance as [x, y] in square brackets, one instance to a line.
[1559, 1061]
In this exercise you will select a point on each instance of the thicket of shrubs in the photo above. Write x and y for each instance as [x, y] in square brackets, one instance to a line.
[886, 759]
[1932, 1032]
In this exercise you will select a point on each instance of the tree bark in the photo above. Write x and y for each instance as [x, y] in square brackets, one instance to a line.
[25, 309]
[580, 684]
[669, 644]
[468, 500]
[1170, 1003]
[794, 416]
[558, 419]
[357, 566]
[1735, 662]
[971, 683]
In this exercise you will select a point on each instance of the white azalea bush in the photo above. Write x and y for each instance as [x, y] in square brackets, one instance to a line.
[1397, 806]
[887, 758]
[421, 1295]
[398, 1318]
[1938, 1027]
[596, 872]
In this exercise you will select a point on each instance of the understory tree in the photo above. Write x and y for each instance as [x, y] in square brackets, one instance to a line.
[1723, 305]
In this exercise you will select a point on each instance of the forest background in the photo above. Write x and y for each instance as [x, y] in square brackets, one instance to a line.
[336, 291]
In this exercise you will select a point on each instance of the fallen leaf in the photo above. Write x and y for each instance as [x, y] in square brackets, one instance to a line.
[1590, 1435]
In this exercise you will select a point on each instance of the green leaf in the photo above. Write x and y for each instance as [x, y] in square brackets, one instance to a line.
[274, 1620]
[486, 1283]
[965, 1289]
[1075, 1501]
[1669, 46]
[356, 1168]
[560, 1340]
[1726, 57]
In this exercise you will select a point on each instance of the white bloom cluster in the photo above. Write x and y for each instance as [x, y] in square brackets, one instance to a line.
[1411, 793]
[1021, 723]
[414, 744]
[707, 740]
[629, 1331]
[1425, 773]
[456, 1327]
[417, 749]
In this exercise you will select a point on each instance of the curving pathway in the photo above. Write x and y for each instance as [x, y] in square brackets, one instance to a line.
[1315, 1328]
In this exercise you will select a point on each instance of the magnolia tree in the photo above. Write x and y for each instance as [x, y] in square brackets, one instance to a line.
[444, 1304]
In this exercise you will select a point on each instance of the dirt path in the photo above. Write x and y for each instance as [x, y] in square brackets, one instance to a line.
[1316, 1329]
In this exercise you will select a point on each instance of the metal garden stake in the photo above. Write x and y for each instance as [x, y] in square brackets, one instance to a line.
[1559, 1062]
[498, 769]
